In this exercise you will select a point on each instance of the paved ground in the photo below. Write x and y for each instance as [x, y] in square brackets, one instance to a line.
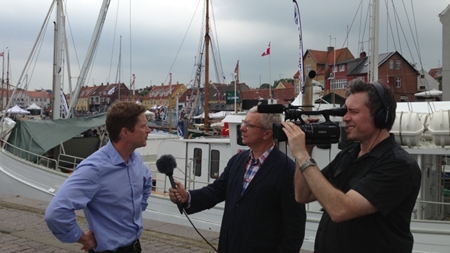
[22, 229]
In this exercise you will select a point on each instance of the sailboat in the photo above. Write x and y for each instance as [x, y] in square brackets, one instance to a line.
[38, 156]
[31, 162]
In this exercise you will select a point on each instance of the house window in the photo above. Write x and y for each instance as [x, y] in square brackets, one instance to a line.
[338, 84]
[334, 69]
[403, 99]
[214, 164]
[391, 64]
[398, 82]
[308, 68]
[342, 68]
[398, 64]
[197, 162]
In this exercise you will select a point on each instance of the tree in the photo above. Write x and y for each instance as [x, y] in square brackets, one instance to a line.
[289, 80]
[143, 93]
[439, 79]
[264, 86]
[413, 64]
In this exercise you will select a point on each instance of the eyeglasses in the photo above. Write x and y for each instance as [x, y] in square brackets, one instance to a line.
[247, 125]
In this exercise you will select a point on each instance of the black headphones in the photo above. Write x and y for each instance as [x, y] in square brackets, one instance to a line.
[383, 116]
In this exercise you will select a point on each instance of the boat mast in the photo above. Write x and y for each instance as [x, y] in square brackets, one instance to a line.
[3, 82]
[119, 69]
[57, 61]
[89, 56]
[206, 93]
[373, 58]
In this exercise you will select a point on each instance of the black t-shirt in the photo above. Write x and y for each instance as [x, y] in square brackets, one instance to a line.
[389, 178]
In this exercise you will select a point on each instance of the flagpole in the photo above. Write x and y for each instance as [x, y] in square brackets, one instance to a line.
[235, 84]
[267, 52]
[270, 77]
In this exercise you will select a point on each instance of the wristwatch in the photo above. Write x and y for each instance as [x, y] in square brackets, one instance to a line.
[309, 162]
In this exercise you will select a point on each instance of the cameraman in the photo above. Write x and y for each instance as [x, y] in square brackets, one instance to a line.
[369, 190]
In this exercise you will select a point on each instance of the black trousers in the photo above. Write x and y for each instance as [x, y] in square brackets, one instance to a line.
[135, 247]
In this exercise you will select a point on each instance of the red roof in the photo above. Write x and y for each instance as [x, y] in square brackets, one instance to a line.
[435, 72]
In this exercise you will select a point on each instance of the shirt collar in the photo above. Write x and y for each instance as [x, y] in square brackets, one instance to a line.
[378, 150]
[263, 156]
[116, 158]
[381, 147]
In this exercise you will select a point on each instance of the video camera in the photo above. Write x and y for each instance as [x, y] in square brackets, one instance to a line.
[316, 133]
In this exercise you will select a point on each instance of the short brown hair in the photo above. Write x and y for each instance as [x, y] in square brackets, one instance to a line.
[122, 114]
[373, 101]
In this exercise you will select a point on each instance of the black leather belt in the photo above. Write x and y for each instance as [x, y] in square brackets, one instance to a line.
[135, 247]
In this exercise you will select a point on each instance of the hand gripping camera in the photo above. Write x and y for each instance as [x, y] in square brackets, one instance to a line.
[316, 133]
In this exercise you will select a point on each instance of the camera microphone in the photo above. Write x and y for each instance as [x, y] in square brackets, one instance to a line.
[273, 108]
[341, 111]
[165, 164]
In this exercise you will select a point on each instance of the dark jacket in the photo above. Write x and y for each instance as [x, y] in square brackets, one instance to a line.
[266, 217]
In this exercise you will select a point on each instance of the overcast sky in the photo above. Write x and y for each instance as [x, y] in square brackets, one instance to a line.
[165, 36]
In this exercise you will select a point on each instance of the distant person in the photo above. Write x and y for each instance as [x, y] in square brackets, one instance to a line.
[88, 133]
[94, 133]
[261, 214]
[111, 186]
[369, 190]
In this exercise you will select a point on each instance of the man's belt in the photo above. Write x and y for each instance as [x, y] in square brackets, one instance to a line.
[135, 247]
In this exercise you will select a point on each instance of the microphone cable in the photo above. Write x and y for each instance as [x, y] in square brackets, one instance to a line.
[198, 232]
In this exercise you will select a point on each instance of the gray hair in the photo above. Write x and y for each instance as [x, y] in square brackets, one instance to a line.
[267, 119]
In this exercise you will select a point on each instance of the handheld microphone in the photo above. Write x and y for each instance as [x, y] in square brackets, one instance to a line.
[165, 164]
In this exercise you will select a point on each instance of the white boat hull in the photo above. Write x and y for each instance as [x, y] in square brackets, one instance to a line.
[32, 181]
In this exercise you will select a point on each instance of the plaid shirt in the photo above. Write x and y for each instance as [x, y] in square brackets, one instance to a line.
[253, 165]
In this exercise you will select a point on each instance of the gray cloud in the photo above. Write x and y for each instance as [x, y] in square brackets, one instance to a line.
[244, 28]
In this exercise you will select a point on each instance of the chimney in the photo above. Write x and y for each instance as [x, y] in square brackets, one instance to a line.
[362, 54]
[329, 49]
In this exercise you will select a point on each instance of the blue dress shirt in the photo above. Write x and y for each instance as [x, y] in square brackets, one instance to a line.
[112, 194]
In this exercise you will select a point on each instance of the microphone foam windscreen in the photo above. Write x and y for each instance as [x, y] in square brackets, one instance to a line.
[166, 163]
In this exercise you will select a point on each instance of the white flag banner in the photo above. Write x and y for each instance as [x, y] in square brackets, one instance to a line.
[111, 91]
[300, 45]
[64, 109]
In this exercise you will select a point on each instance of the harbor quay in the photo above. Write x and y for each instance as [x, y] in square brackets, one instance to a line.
[22, 229]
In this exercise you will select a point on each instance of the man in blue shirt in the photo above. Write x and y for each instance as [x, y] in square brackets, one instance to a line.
[111, 186]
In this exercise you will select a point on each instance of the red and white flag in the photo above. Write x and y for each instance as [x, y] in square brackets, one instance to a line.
[236, 69]
[267, 52]
[1, 54]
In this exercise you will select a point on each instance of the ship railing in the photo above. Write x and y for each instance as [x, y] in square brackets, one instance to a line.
[161, 182]
[66, 162]
[29, 156]
[440, 212]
